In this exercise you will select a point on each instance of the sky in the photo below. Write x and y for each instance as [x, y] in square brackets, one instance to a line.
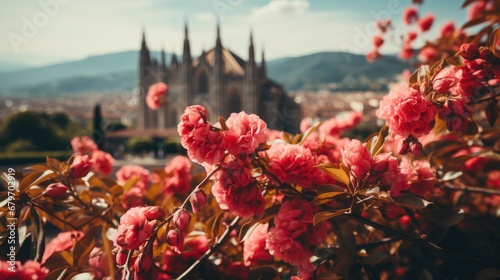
[41, 32]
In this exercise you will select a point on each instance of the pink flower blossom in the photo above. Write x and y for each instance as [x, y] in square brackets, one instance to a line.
[235, 190]
[410, 15]
[448, 29]
[83, 145]
[204, 143]
[30, 270]
[475, 9]
[254, 247]
[356, 157]
[63, 241]
[425, 23]
[154, 98]
[407, 112]
[80, 166]
[98, 260]
[455, 113]
[179, 165]
[338, 125]
[387, 174]
[179, 170]
[56, 190]
[245, 133]
[181, 219]
[136, 226]
[445, 79]
[420, 176]
[372, 56]
[428, 54]
[198, 200]
[293, 234]
[383, 24]
[103, 162]
[294, 164]
[406, 52]
[129, 171]
[378, 41]
[411, 36]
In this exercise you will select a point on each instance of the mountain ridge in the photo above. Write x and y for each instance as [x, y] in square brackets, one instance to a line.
[118, 71]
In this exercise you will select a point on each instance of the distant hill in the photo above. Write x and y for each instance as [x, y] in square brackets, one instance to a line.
[94, 66]
[8, 67]
[332, 70]
[118, 71]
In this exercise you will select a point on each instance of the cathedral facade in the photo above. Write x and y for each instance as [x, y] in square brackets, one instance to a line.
[220, 81]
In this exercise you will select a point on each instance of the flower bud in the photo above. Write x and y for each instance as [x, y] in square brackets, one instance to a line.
[56, 190]
[176, 240]
[181, 219]
[469, 51]
[153, 213]
[416, 148]
[146, 262]
[403, 147]
[121, 257]
[198, 200]
[80, 166]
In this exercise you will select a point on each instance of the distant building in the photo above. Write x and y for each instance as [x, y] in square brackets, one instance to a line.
[220, 81]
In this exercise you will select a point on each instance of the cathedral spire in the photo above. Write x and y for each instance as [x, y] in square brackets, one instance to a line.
[263, 70]
[173, 60]
[251, 51]
[186, 54]
[163, 60]
[218, 43]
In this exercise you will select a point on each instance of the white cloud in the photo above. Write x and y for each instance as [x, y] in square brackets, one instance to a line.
[282, 7]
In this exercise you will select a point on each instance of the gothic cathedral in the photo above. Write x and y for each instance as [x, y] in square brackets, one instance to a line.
[220, 81]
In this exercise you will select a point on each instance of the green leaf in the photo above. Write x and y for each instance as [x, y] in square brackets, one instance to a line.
[85, 245]
[411, 201]
[337, 173]
[326, 215]
[309, 131]
[376, 148]
[328, 275]
[37, 236]
[450, 175]
[247, 229]
[347, 241]
[263, 272]
[326, 197]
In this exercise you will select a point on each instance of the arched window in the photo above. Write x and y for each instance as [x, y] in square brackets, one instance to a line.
[203, 83]
[234, 101]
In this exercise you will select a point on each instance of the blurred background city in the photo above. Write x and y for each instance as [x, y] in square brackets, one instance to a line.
[72, 67]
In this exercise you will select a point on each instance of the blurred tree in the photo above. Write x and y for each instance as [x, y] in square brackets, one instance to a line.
[34, 127]
[115, 126]
[97, 127]
[60, 119]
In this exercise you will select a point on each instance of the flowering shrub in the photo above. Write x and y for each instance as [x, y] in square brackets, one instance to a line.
[420, 197]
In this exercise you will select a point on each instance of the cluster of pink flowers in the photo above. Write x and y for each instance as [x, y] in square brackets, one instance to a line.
[293, 233]
[136, 226]
[132, 197]
[30, 270]
[295, 164]
[254, 247]
[83, 145]
[236, 190]
[407, 112]
[382, 170]
[245, 134]
[156, 93]
[100, 161]
[420, 175]
[202, 140]
[179, 176]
